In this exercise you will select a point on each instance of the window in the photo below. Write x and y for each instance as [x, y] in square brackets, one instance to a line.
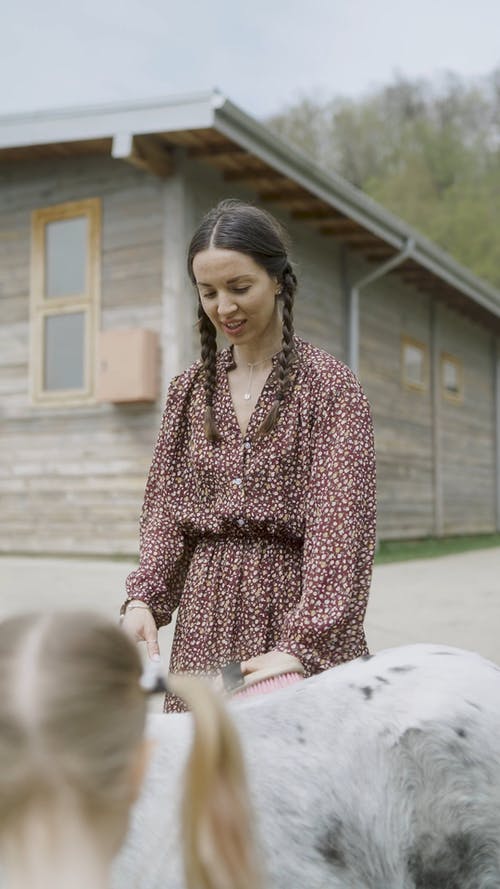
[451, 378]
[64, 301]
[413, 364]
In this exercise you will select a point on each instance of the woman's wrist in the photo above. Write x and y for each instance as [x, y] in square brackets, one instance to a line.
[129, 604]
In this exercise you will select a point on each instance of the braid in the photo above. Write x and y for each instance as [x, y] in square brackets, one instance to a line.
[287, 354]
[208, 353]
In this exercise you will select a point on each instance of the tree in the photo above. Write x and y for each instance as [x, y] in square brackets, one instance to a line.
[429, 152]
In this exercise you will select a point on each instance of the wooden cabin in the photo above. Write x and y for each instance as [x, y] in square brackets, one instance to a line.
[97, 206]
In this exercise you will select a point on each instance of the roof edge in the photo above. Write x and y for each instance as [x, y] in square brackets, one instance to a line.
[206, 109]
[187, 111]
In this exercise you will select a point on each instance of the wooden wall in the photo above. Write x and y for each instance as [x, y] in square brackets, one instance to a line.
[411, 493]
[402, 417]
[468, 430]
[72, 478]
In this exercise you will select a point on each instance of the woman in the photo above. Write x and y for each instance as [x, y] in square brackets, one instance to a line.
[259, 512]
[73, 755]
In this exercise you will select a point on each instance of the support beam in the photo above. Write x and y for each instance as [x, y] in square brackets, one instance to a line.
[378, 254]
[418, 282]
[339, 226]
[214, 152]
[253, 173]
[360, 240]
[496, 377]
[320, 214]
[146, 152]
[279, 196]
[178, 301]
[435, 383]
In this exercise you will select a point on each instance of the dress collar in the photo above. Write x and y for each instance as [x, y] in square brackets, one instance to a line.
[227, 358]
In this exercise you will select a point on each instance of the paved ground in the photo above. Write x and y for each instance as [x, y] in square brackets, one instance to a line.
[453, 599]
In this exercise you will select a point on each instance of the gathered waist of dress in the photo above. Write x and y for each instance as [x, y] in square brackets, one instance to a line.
[250, 532]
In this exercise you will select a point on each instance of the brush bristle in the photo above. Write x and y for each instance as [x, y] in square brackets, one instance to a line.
[269, 685]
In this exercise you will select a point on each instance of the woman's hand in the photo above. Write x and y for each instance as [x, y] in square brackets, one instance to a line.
[140, 624]
[272, 660]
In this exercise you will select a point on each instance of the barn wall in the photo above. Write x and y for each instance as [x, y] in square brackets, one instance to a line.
[409, 491]
[72, 478]
[468, 430]
[402, 416]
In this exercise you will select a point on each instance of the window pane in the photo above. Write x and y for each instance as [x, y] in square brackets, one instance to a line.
[64, 350]
[414, 365]
[450, 376]
[65, 257]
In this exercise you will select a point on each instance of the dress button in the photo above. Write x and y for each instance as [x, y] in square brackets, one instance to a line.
[237, 481]
[241, 522]
[248, 445]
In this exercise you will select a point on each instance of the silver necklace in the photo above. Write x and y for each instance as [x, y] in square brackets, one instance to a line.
[248, 391]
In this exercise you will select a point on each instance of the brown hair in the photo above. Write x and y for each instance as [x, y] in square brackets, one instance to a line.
[234, 225]
[72, 712]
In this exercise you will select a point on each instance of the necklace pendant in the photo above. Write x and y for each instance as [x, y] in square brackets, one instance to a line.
[247, 396]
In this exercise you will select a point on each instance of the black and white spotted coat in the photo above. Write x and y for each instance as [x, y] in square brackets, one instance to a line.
[381, 773]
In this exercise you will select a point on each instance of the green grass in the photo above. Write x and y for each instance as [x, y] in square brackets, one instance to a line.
[432, 547]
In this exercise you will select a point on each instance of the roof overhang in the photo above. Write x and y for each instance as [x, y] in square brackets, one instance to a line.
[213, 130]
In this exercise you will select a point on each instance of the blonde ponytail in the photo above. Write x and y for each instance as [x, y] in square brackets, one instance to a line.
[217, 831]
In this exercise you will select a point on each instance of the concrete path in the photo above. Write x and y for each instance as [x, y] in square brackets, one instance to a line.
[453, 600]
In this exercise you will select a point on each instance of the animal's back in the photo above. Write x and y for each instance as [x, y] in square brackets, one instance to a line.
[382, 773]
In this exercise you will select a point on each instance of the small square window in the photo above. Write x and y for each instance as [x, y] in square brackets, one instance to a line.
[451, 377]
[413, 364]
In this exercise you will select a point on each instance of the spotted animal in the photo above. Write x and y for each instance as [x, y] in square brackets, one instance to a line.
[382, 773]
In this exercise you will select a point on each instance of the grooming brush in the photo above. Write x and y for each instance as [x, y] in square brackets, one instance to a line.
[260, 682]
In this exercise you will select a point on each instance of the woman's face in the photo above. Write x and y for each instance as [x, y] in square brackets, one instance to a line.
[238, 295]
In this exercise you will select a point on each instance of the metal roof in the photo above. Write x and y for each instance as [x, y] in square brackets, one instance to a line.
[213, 130]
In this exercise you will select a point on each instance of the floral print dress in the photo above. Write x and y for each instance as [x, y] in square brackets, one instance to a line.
[262, 542]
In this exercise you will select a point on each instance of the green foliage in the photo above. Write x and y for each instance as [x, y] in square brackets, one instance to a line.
[430, 153]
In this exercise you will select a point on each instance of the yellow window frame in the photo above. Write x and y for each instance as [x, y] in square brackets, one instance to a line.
[87, 303]
[411, 384]
[455, 397]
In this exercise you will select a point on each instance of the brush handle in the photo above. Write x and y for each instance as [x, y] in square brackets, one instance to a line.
[232, 677]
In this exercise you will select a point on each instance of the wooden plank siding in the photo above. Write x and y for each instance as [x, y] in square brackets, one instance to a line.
[402, 416]
[466, 480]
[72, 478]
[468, 431]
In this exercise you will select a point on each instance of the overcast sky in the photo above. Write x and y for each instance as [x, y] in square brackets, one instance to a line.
[262, 54]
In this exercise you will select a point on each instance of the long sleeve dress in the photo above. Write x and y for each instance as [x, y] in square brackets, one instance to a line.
[262, 542]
